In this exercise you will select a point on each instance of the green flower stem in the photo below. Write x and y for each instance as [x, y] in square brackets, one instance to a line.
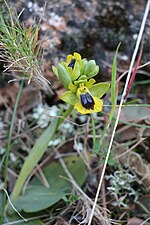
[93, 128]
[66, 114]
[37, 152]
[9, 143]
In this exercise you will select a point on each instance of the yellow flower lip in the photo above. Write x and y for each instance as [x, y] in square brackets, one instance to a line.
[87, 103]
[97, 107]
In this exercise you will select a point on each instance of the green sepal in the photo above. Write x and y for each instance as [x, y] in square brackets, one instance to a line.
[94, 72]
[91, 69]
[83, 77]
[76, 71]
[69, 97]
[98, 90]
[63, 64]
[72, 87]
[77, 82]
[84, 63]
[90, 83]
[55, 71]
[64, 76]
[69, 69]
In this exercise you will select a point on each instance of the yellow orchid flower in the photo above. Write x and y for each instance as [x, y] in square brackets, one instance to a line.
[87, 103]
[82, 92]
[86, 97]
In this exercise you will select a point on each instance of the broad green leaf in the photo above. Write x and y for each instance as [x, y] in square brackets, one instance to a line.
[69, 97]
[38, 197]
[35, 155]
[99, 89]
[64, 76]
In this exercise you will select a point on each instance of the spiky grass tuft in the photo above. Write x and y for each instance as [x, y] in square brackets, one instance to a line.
[20, 50]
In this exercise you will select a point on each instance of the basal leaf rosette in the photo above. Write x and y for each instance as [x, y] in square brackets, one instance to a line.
[76, 76]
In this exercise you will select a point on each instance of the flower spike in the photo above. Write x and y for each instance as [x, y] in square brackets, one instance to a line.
[82, 92]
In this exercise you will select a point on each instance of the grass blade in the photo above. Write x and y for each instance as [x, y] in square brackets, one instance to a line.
[9, 144]
[113, 79]
[113, 93]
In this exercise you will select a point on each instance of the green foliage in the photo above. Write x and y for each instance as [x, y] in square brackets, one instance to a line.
[91, 69]
[113, 79]
[111, 161]
[99, 89]
[70, 198]
[113, 95]
[35, 155]
[76, 71]
[96, 147]
[1, 201]
[122, 186]
[19, 47]
[6, 161]
[75, 75]
[38, 197]
[69, 97]
[64, 76]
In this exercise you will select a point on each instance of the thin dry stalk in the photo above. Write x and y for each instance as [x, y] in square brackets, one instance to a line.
[130, 149]
[139, 67]
[80, 153]
[103, 194]
[120, 106]
[13, 205]
[145, 221]
[87, 201]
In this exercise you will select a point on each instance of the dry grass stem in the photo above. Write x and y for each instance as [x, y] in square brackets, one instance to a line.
[86, 200]
[13, 205]
[130, 149]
